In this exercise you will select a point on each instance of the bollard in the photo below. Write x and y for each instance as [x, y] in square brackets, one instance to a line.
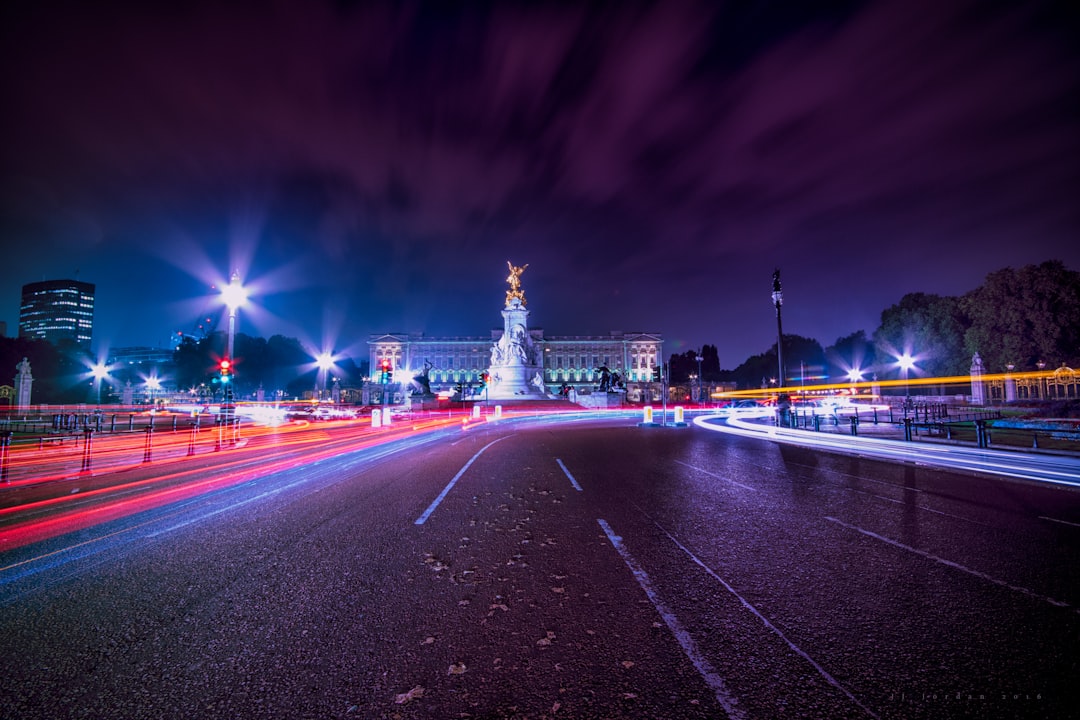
[149, 443]
[1035, 440]
[907, 429]
[88, 443]
[498, 411]
[174, 418]
[112, 424]
[854, 424]
[476, 411]
[680, 415]
[191, 442]
[875, 416]
[5, 444]
[647, 415]
[386, 417]
[131, 422]
[220, 433]
[376, 418]
[817, 423]
[980, 433]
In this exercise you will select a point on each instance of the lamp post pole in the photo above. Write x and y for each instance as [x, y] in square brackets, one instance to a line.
[778, 300]
[699, 378]
[234, 296]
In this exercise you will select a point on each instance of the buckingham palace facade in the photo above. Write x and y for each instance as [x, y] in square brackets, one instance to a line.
[569, 361]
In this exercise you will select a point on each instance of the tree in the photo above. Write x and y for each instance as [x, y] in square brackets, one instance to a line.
[1022, 317]
[928, 327]
[762, 369]
[851, 352]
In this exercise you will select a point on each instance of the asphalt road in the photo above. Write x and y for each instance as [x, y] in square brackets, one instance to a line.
[559, 570]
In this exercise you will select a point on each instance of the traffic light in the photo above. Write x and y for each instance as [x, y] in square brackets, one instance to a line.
[483, 380]
[225, 367]
[385, 370]
[656, 373]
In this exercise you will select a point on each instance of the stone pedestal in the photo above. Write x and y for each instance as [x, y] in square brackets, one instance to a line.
[978, 391]
[23, 382]
[515, 371]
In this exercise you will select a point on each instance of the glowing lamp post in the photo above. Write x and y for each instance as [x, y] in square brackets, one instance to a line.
[778, 300]
[152, 384]
[906, 362]
[99, 371]
[323, 361]
[854, 375]
[700, 395]
[234, 296]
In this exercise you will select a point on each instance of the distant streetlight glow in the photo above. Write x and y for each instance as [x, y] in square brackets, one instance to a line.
[855, 375]
[234, 296]
[324, 361]
[906, 363]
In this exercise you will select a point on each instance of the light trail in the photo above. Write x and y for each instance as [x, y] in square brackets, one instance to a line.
[1053, 469]
[186, 480]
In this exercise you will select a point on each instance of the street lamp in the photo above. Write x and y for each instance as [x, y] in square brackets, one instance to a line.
[906, 362]
[234, 295]
[778, 300]
[99, 371]
[152, 384]
[323, 361]
[699, 360]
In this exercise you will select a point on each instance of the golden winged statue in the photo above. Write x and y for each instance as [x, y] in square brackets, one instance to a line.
[514, 279]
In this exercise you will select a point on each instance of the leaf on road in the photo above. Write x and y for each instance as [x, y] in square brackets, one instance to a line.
[403, 698]
[456, 669]
[427, 641]
[628, 664]
[558, 590]
[629, 696]
[549, 636]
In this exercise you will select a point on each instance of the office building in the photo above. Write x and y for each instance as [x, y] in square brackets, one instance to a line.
[58, 311]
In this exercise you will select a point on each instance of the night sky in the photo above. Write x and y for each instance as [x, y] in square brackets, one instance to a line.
[371, 167]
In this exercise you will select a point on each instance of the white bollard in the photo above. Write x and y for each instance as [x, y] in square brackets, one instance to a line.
[376, 419]
[476, 411]
[647, 416]
[679, 415]
[498, 411]
[386, 417]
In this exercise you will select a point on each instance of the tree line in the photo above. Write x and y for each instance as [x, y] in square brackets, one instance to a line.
[1019, 317]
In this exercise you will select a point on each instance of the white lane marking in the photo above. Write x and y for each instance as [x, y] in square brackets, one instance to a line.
[572, 480]
[704, 667]
[431, 508]
[1063, 522]
[821, 671]
[954, 565]
[718, 477]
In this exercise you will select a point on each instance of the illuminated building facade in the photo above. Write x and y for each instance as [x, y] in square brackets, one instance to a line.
[57, 310]
[573, 360]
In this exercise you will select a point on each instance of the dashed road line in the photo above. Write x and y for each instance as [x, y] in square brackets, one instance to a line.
[954, 565]
[796, 649]
[572, 480]
[446, 490]
[718, 477]
[703, 666]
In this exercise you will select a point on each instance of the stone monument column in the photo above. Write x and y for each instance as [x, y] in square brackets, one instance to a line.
[516, 371]
[23, 382]
[978, 391]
